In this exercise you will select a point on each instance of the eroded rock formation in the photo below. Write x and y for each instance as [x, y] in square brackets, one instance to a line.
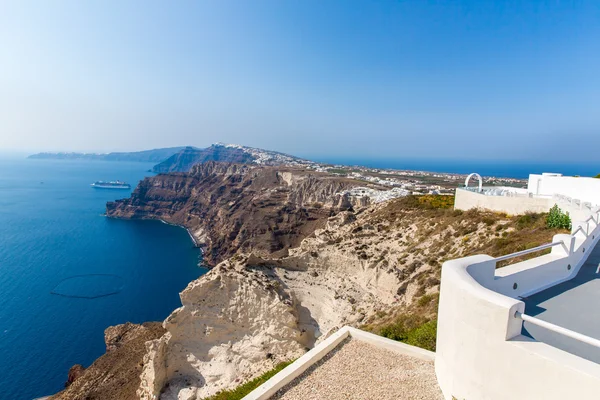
[252, 311]
[235, 322]
[116, 374]
[74, 373]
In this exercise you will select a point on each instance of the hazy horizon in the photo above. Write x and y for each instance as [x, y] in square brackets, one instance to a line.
[462, 80]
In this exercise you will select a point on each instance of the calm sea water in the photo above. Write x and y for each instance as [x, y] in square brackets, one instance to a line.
[505, 169]
[67, 272]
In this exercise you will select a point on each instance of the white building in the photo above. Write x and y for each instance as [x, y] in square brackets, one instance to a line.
[530, 330]
[543, 191]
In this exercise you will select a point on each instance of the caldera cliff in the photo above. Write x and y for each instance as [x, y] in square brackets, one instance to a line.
[294, 261]
[230, 208]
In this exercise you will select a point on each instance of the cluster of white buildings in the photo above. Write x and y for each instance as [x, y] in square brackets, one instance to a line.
[265, 157]
[374, 195]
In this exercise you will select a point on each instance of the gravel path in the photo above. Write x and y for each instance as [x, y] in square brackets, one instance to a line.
[360, 371]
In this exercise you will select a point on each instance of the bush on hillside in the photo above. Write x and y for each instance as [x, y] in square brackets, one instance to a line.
[412, 329]
[241, 391]
[426, 202]
[528, 220]
[558, 219]
[424, 336]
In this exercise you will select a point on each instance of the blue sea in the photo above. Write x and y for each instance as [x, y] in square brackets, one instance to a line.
[505, 169]
[67, 272]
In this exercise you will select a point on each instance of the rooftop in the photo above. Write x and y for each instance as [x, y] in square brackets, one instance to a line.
[358, 370]
[355, 365]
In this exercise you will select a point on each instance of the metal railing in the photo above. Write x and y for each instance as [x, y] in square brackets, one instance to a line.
[586, 231]
[580, 228]
[584, 227]
[558, 329]
[528, 251]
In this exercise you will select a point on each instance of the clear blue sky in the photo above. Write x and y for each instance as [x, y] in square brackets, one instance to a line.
[470, 79]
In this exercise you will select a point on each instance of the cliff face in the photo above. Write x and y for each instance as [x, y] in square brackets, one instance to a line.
[251, 312]
[115, 375]
[232, 207]
[184, 160]
[235, 322]
[360, 267]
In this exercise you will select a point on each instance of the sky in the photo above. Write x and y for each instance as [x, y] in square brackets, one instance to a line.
[373, 79]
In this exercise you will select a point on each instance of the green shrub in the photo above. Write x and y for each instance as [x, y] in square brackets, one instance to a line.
[245, 388]
[428, 202]
[424, 336]
[597, 176]
[558, 219]
[528, 220]
[411, 329]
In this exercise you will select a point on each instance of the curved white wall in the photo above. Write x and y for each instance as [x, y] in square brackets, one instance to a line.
[481, 353]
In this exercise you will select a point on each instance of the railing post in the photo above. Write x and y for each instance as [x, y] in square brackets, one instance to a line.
[572, 245]
[587, 229]
[567, 247]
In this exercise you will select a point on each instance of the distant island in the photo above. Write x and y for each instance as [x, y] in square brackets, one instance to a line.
[181, 159]
[155, 155]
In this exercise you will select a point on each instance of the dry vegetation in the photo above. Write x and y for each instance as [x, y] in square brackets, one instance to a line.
[479, 232]
[434, 233]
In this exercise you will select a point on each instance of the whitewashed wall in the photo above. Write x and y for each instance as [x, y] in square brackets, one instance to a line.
[481, 353]
[584, 189]
[466, 200]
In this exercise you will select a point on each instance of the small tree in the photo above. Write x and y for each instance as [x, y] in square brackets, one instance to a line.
[558, 219]
[597, 176]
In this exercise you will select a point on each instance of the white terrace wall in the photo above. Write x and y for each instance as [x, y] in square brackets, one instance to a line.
[466, 200]
[543, 190]
[481, 354]
[584, 189]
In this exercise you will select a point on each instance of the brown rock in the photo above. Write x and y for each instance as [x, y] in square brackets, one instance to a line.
[234, 208]
[115, 336]
[116, 374]
[74, 373]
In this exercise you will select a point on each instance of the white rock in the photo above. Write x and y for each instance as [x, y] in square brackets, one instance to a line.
[234, 323]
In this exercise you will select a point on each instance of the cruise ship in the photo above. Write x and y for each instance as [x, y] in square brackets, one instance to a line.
[111, 185]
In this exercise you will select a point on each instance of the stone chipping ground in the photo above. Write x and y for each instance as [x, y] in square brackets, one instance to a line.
[359, 371]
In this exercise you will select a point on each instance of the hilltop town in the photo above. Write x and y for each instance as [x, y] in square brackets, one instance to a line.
[407, 182]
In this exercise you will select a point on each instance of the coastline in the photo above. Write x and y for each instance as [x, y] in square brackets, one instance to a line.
[194, 240]
[75, 240]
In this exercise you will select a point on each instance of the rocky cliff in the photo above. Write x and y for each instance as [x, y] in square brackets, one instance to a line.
[234, 323]
[231, 208]
[184, 160]
[360, 266]
[249, 313]
[115, 375]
